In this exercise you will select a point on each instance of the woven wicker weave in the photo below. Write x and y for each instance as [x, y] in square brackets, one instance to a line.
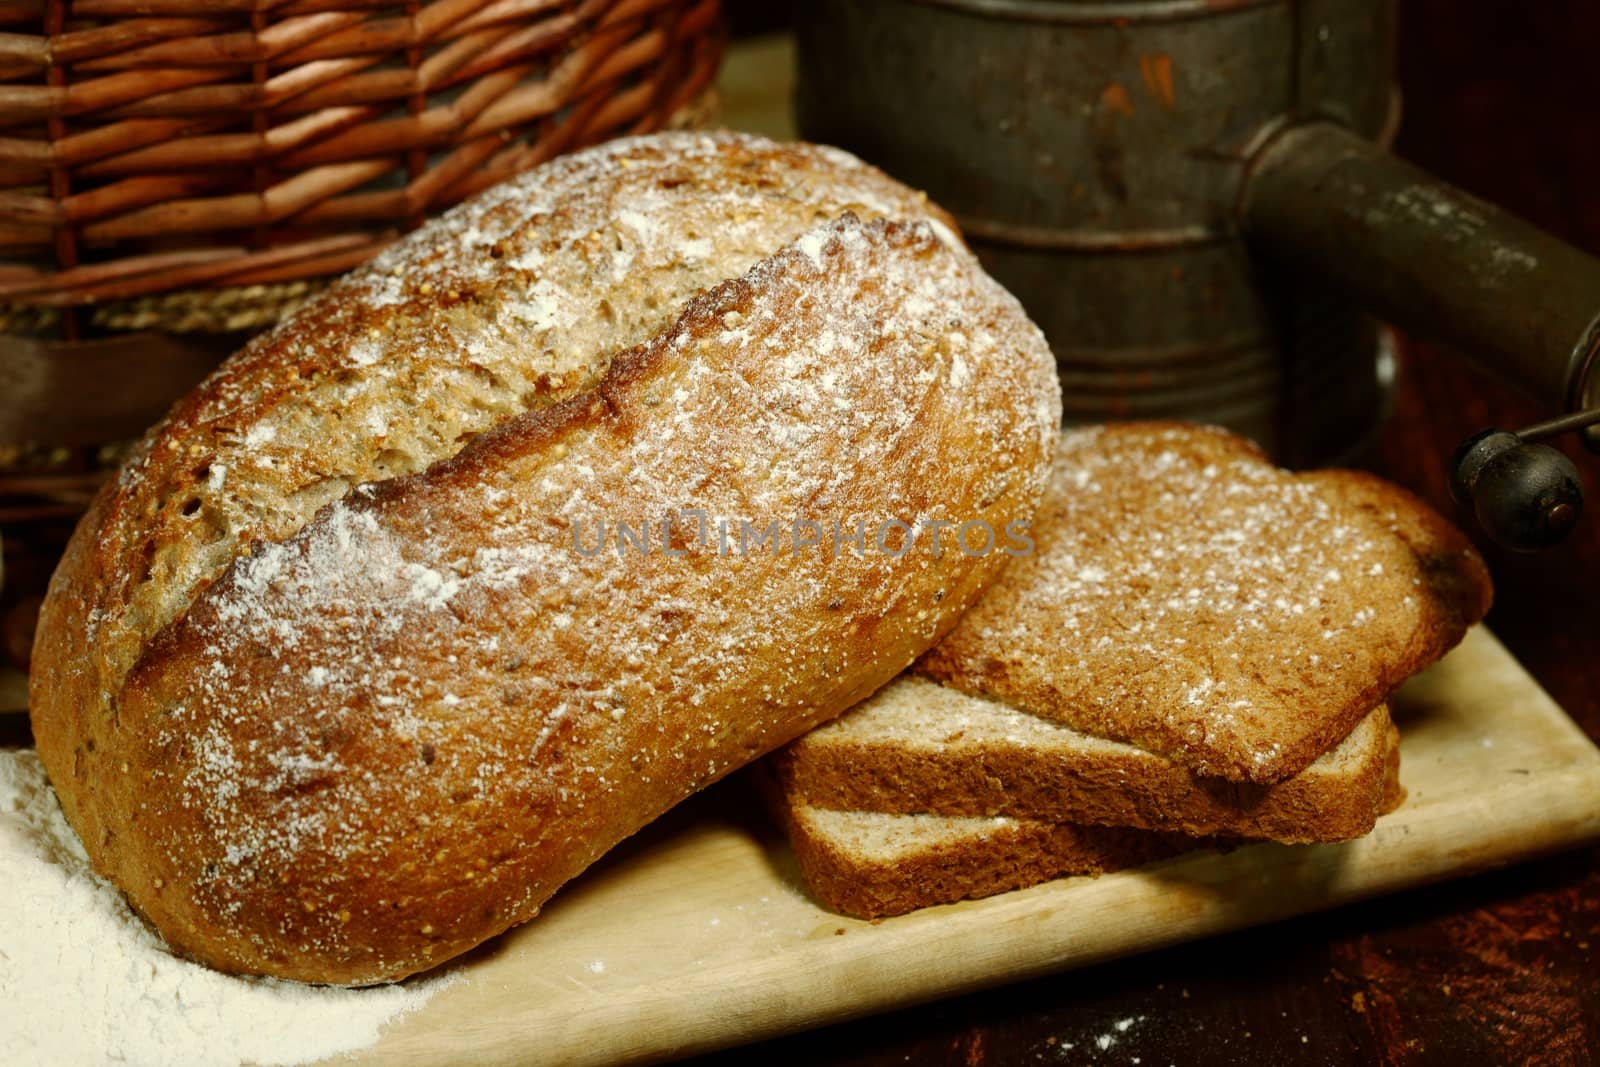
[158, 145]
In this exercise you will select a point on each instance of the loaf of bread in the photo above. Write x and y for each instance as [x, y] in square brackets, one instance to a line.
[1188, 597]
[919, 748]
[354, 663]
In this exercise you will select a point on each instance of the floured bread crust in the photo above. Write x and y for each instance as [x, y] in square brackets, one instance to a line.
[347, 747]
[1190, 598]
[513, 300]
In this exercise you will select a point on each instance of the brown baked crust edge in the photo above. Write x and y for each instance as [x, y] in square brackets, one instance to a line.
[1460, 593]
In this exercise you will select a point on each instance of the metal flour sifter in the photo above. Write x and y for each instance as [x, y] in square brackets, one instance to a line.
[1194, 199]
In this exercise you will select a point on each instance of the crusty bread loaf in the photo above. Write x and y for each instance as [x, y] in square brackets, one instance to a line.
[872, 865]
[327, 681]
[1190, 598]
[916, 747]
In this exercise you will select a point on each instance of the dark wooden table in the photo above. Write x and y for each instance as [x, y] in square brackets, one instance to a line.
[1503, 97]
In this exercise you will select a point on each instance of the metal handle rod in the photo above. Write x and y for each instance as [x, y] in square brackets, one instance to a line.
[1578, 420]
[1429, 257]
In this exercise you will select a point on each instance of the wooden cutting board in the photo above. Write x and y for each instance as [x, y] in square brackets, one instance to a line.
[697, 934]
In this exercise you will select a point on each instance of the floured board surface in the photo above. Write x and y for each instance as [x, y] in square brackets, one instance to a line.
[698, 933]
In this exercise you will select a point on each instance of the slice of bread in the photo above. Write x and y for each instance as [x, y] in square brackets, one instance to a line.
[918, 747]
[1188, 597]
[871, 865]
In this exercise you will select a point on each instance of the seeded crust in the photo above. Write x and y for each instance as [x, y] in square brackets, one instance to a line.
[1187, 597]
[870, 865]
[512, 301]
[917, 747]
[345, 748]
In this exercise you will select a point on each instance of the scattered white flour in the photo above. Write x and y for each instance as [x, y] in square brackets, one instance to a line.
[1121, 1026]
[84, 981]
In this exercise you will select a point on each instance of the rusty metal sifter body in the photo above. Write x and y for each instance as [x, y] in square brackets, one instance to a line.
[1194, 199]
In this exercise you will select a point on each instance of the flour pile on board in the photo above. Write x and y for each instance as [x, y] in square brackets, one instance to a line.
[69, 944]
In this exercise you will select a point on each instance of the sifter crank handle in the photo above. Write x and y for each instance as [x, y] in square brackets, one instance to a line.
[1429, 257]
[1444, 264]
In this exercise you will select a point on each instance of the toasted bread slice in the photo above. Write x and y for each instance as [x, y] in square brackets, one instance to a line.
[1188, 597]
[921, 748]
[871, 865]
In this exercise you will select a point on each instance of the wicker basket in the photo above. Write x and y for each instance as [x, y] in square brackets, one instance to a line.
[154, 145]
[177, 173]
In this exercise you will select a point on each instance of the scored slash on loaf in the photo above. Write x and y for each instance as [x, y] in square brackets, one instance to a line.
[1216, 631]
[323, 683]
